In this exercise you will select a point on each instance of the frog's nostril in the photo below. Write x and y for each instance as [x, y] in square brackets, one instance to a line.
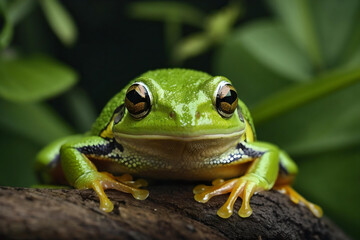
[172, 115]
[197, 115]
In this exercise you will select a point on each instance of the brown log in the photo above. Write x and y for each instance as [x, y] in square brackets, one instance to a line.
[170, 212]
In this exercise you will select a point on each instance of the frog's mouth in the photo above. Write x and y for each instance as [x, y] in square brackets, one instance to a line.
[179, 137]
[179, 148]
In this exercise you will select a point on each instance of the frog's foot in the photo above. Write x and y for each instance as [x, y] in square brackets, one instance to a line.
[243, 187]
[296, 198]
[128, 180]
[100, 181]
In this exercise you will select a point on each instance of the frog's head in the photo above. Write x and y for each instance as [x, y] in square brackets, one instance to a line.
[178, 115]
[179, 103]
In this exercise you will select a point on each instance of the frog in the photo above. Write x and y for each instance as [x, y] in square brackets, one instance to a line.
[173, 124]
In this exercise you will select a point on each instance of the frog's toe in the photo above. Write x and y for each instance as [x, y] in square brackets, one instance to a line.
[105, 204]
[217, 181]
[205, 193]
[140, 194]
[123, 178]
[203, 188]
[225, 211]
[200, 188]
[247, 193]
[139, 183]
[295, 197]
[315, 209]
[202, 197]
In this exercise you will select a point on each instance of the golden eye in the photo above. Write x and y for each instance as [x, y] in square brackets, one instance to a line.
[138, 100]
[226, 99]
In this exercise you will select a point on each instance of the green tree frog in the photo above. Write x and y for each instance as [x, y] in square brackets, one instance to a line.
[173, 124]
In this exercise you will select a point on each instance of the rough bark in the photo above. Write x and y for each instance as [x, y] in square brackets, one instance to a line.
[170, 212]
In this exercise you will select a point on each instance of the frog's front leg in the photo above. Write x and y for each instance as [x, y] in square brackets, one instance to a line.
[81, 173]
[261, 175]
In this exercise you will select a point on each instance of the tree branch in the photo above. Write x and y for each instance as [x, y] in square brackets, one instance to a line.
[170, 212]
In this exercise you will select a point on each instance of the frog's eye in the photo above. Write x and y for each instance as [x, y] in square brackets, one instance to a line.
[225, 99]
[138, 100]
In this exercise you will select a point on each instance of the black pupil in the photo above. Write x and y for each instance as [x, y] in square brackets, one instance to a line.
[230, 97]
[135, 97]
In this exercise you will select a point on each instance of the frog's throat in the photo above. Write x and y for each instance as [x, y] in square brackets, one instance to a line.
[175, 150]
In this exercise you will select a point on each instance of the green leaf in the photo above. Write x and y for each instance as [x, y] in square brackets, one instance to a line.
[191, 46]
[350, 57]
[297, 95]
[270, 44]
[6, 28]
[34, 78]
[260, 58]
[34, 121]
[219, 24]
[60, 21]
[297, 17]
[166, 11]
[335, 23]
[217, 28]
[18, 9]
[330, 180]
[354, 61]
[329, 123]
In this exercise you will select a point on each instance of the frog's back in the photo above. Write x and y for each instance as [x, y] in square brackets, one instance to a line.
[171, 78]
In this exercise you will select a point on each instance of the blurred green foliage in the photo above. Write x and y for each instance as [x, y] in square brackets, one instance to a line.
[298, 71]
[214, 27]
[26, 122]
[33, 78]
